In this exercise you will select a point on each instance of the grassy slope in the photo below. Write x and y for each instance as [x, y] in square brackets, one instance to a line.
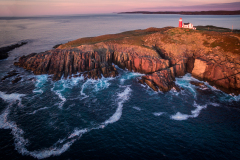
[129, 37]
[173, 40]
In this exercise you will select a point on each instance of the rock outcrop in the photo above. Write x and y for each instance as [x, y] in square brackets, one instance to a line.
[97, 62]
[161, 54]
[67, 62]
[160, 80]
[4, 50]
[223, 75]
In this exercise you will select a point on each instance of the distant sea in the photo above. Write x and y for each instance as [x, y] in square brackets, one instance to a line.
[110, 118]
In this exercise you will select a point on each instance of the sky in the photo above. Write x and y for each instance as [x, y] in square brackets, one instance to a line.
[64, 7]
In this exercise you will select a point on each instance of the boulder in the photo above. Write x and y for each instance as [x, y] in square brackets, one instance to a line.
[199, 68]
[160, 79]
[151, 84]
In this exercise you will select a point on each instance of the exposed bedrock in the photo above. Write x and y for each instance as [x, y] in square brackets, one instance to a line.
[97, 61]
[4, 50]
[223, 75]
[214, 68]
[160, 80]
[69, 61]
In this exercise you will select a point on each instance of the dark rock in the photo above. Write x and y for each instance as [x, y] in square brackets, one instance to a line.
[190, 64]
[32, 79]
[4, 50]
[177, 88]
[195, 83]
[16, 80]
[151, 84]
[180, 68]
[141, 81]
[10, 74]
[57, 45]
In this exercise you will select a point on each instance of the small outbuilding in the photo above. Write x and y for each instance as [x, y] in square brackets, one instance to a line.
[188, 25]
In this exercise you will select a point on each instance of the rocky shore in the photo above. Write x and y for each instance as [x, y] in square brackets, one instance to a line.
[4, 50]
[161, 54]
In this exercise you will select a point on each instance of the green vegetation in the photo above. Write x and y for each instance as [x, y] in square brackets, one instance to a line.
[216, 29]
[229, 43]
[205, 38]
[129, 37]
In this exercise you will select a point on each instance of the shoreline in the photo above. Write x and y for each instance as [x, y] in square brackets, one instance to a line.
[162, 54]
[237, 12]
[4, 51]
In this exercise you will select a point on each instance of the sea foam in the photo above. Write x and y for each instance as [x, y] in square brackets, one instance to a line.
[20, 142]
[61, 145]
[195, 113]
[137, 108]
[129, 75]
[122, 97]
[158, 113]
[11, 97]
[41, 80]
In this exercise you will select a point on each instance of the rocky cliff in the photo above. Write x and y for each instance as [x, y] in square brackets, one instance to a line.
[161, 54]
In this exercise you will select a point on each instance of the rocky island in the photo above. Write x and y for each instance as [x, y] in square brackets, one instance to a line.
[5, 50]
[237, 12]
[160, 53]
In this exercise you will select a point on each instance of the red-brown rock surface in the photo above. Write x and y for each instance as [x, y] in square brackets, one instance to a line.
[223, 75]
[160, 80]
[67, 62]
[161, 54]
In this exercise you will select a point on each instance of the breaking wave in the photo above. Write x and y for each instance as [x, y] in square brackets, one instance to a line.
[122, 97]
[61, 86]
[34, 112]
[61, 145]
[179, 116]
[41, 80]
[11, 97]
[184, 82]
[158, 113]
[58, 88]
[128, 75]
[95, 85]
[137, 108]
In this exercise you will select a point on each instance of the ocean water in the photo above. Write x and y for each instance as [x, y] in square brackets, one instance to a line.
[110, 118]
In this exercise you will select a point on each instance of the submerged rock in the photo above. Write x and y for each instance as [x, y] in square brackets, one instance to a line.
[10, 74]
[195, 83]
[16, 80]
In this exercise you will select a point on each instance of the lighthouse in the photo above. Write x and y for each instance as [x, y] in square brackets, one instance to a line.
[180, 23]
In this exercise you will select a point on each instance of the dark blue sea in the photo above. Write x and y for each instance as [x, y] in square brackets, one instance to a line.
[110, 118]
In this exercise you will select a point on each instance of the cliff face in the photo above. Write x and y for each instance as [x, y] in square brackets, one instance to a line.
[94, 60]
[161, 54]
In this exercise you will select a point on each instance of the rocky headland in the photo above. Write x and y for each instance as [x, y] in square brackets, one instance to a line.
[161, 54]
[237, 12]
[4, 50]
